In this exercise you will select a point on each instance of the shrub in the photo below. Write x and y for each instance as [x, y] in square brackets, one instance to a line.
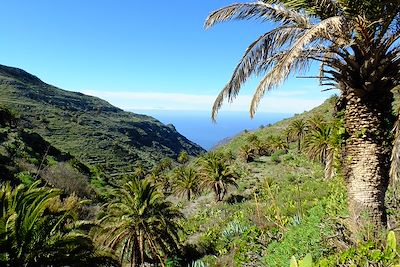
[276, 157]
[64, 176]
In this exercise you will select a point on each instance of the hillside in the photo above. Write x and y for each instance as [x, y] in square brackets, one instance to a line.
[90, 128]
[324, 110]
[26, 157]
[282, 206]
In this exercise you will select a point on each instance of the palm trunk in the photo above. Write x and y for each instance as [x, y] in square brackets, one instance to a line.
[141, 248]
[299, 144]
[367, 158]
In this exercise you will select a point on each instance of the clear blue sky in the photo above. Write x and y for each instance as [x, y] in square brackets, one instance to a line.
[138, 54]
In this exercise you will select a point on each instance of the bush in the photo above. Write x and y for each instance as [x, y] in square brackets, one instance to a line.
[64, 176]
[24, 177]
[276, 157]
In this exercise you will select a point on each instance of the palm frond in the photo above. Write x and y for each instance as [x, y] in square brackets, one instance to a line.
[260, 10]
[292, 60]
[258, 58]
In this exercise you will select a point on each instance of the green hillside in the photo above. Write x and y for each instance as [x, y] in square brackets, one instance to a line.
[89, 128]
[325, 110]
[282, 206]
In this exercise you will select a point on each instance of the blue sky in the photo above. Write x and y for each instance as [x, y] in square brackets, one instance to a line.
[139, 54]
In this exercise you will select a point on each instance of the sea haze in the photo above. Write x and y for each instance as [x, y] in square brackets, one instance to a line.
[198, 127]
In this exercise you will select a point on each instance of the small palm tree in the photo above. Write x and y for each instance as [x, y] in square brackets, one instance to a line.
[248, 152]
[166, 164]
[37, 229]
[286, 134]
[276, 143]
[323, 143]
[183, 157]
[140, 224]
[318, 145]
[316, 121]
[297, 130]
[186, 182]
[140, 171]
[217, 174]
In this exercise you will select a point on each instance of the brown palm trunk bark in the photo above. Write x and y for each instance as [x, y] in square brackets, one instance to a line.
[367, 157]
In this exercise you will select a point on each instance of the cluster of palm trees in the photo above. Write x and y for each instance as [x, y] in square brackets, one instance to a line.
[40, 226]
[321, 140]
[141, 225]
[213, 171]
[254, 147]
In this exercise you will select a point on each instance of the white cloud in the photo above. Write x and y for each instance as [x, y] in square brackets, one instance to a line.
[280, 102]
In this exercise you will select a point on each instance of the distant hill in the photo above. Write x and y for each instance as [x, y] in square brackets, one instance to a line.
[89, 128]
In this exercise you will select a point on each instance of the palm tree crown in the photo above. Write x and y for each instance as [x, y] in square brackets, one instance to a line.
[187, 181]
[349, 38]
[217, 174]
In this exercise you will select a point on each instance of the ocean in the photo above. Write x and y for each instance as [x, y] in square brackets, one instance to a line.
[198, 127]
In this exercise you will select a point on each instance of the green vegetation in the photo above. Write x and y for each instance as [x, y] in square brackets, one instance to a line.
[104, 187]
[218, 209]
[37, 228]
[217, 174]
[186, 182]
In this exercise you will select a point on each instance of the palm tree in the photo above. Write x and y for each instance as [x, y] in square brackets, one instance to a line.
[323, 142]
[166, 164]
[183, 157]
[254, 147]
[287, 136]
[297, 130]
[316, 121]
[317, 142]
[276, 143]
[187, 182]
[37, 229]
[356, 42]
[217, 174]
[248, 152]
[140, 171]
[140, 224]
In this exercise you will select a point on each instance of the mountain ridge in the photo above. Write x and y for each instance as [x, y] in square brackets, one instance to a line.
[88, 127]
